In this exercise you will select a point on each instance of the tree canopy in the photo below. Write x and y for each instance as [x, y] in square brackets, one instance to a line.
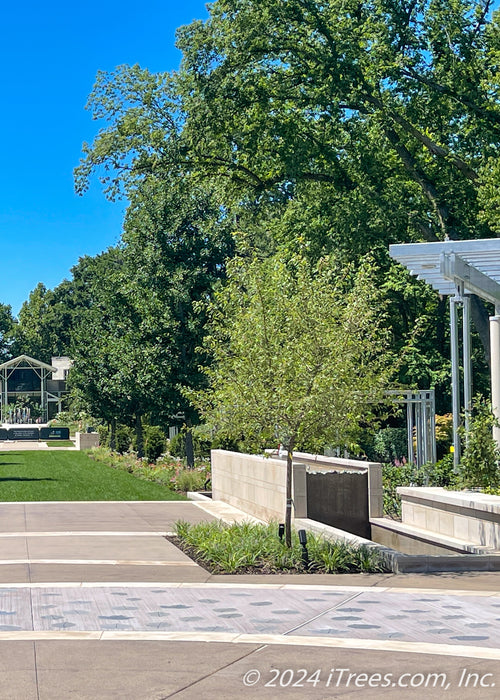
[302, 355]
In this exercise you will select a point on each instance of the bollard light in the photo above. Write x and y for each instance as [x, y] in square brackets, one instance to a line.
[305, 553]
[281, 531]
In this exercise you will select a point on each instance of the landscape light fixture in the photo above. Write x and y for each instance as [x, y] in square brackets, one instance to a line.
[281, 531]
[305, 553]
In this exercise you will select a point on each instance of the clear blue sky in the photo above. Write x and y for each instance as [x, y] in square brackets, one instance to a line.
[50, 55]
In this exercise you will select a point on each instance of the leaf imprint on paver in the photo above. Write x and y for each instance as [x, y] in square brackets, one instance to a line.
[63, 625]
[177, 607]
[351, 610]
[397, 617]
[134, 599]
[47, 606]
[307, 600]
[194, 618]
[365, 627]
[329, 631]
[228, 615]
[478, 624]
[8, 612]
[209, 600]
[158, 625]
[442, 630]
[114, 617]
[416, 610]
[125, 607]
[52, 617]
[9, 628]
[285, 612]
[346, 617]
[240, 595]
[432, 623]
[82, 602]
[159, 590]
[456, 607]
[118, 593]
[470, 638]
[75, 612]
[452, 617]
[225, 609]
[265, 602]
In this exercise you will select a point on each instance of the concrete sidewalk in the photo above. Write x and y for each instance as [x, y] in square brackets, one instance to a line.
[96, 603]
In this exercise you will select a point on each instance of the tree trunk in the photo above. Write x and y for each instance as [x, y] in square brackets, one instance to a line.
[112, 437]
[139, 435]
[481, 322]
[189, 447]
[288, 513]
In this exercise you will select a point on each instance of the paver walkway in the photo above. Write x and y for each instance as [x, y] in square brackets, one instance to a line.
[80, 582]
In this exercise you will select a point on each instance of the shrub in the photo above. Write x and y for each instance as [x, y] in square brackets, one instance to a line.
[103, 432]
[190, 479]
[406, 474]
[391, 444]
[123, 439]
[479, 464]
[177, 445]
[154, 442]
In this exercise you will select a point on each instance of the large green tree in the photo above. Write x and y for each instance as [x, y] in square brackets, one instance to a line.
[7, 326]
[339, 125]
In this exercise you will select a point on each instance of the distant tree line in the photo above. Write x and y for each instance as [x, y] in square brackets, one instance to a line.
[298, 128]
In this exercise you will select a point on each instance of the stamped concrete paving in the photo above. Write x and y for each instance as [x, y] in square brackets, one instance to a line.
[96, 603]
[313, 611]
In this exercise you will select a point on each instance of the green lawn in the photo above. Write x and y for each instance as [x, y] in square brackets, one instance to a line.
[60, 443]
[71, 476]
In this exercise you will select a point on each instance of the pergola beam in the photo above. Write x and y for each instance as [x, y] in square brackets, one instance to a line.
[453, 267]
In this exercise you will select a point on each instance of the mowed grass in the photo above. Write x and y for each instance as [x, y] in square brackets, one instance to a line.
[71, 476]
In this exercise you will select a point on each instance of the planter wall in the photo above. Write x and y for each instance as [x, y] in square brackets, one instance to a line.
[466, 516]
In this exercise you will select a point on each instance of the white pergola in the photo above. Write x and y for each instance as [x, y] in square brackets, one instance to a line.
[41, 370]
[458, 269]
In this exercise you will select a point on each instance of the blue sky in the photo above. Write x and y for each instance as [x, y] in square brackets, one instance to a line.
[50, 55]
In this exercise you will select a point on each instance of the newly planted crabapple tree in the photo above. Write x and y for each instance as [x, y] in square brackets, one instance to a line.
[294, 347]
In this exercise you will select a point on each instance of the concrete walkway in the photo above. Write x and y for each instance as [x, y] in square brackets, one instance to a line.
[96, 603]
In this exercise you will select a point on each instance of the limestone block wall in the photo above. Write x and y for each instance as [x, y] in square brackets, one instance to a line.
[467, 516]
[85, 441]
[256, 484]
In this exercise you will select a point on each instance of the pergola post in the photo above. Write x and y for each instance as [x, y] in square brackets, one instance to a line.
[455, 379]
[452, 268]
[495, 368]
[467, 364]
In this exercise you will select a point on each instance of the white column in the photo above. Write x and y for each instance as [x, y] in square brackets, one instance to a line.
[466, 344]
[495, 368]
[455, 380]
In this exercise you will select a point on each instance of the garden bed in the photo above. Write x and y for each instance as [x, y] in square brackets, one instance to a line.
[256, 549]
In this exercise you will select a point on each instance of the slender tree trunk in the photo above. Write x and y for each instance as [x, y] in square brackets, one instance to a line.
[112, 437]
[481, 322]
[189, 446]
[139, 435]
[288, 513]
